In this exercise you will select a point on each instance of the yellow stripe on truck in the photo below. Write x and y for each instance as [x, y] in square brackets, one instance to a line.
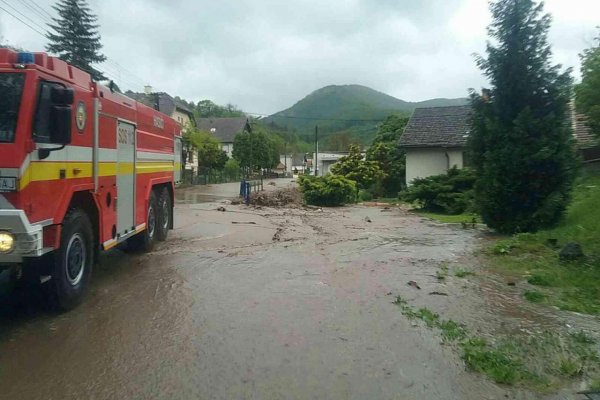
[39, 171]
[149, 167]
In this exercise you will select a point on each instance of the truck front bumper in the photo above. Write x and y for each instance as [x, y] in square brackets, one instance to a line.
[28, 238]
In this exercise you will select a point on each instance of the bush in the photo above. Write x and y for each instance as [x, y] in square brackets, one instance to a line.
[365, 195]
[330, 190]
[450, 193]
[232, 169]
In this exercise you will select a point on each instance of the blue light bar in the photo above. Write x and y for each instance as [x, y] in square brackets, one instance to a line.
[25, 58]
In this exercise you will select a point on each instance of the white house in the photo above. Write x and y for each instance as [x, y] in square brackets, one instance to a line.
[435, 140]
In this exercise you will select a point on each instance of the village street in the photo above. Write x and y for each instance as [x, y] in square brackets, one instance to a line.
[261, 303]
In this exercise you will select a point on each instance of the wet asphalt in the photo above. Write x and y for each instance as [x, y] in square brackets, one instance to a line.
[253, 304]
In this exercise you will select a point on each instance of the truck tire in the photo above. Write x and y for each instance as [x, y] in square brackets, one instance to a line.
[73, 261]
[163, 215]
[144, 241]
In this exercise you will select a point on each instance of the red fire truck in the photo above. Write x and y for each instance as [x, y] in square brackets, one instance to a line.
[82, 169]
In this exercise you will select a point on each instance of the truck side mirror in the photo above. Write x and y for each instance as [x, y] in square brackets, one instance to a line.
[60, 124]
[62, 96]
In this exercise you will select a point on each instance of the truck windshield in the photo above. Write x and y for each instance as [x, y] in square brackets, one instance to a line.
[11, 89]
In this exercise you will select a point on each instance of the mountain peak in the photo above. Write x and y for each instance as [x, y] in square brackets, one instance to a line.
[349, 108]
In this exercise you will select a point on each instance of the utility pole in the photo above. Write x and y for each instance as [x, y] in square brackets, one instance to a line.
[316, 160]
[285, 158]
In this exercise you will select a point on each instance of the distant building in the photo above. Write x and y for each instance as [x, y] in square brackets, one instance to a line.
[225, 129]
[587, 144]
[175, 109]
[435, 140]
[326, 160]
[166, 104]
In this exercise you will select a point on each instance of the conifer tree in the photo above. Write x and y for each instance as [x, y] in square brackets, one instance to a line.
[521, 140]
[77, 40]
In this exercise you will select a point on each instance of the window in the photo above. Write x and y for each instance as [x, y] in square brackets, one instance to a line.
[11, 87]
[41, 125]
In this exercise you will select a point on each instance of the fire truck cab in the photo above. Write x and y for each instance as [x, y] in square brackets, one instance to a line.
[82, 169]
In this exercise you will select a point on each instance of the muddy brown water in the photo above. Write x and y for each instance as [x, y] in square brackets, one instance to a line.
[227, 309]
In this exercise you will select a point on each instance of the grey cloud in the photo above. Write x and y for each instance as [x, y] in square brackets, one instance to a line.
[265, 55]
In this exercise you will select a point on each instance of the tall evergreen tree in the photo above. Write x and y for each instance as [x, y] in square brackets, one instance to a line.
[521, 140]
[77, 40]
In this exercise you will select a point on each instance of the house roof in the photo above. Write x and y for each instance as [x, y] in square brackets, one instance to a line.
[223, 129]
[166, 103]
[437, 127]
[583, 134]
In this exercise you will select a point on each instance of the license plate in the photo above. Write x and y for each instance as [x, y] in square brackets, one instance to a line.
[8, 184]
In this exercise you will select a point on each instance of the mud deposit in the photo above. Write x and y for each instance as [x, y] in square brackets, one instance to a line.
[261, 303]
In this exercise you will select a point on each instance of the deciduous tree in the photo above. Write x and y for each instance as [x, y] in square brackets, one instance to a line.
[388, 155]
[588, 91]
[356, 168]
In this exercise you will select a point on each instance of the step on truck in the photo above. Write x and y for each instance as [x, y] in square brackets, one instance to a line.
[82, 170]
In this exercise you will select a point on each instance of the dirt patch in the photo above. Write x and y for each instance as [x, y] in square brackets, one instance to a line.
[278, 198]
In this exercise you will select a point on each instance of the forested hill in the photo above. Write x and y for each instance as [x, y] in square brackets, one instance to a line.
[351, 109]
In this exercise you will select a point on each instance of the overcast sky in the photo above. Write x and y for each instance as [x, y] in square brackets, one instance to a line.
[264, 55]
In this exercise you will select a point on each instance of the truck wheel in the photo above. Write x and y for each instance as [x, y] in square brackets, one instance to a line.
[144, 241]
[73, 261]
[163, 215]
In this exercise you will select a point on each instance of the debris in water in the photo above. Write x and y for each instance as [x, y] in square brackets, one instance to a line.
[367, 219]
[222, 209]
[277, 198]
[438, 294]
[414, 284]
[277, 235]
[244, 223]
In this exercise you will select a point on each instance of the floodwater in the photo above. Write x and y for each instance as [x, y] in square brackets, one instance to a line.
[257, 303]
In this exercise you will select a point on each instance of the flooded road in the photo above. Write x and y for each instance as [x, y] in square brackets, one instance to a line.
[256, 303]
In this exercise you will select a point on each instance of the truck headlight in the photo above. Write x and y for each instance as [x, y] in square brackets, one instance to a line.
[7, 242]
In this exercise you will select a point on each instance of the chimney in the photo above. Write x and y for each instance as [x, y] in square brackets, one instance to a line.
[147, 89]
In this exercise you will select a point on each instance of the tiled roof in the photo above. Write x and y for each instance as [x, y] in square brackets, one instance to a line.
[223, 129]
[437, 127]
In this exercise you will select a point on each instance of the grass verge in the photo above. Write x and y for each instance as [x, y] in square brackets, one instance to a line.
[574, 285]
[542, 362]
[467, 219]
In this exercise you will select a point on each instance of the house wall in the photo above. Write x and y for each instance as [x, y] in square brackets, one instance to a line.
[228, 148]
[421, 163]
[287, 160]
[180, 117]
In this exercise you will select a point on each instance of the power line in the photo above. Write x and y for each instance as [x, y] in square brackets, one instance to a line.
[111, 75]
[35, 11]
[21, 21]
[40, 8]
[23, 15]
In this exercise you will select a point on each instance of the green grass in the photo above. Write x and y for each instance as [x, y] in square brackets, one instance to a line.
[496, 364]
[544, 361]
[449, 219]
[534, 296]
[463, 273]
[572, 286]
[442, 273]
